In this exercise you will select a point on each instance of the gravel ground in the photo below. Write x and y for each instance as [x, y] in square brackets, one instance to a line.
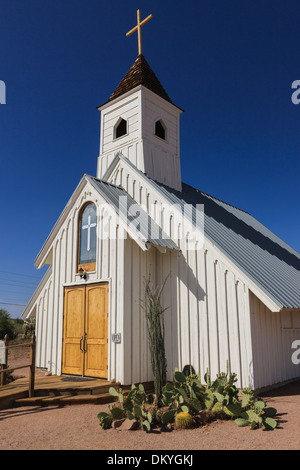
[77, 428]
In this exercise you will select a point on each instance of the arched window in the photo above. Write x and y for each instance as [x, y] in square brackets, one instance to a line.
[87, 238]
[120, 128]
[160, 129]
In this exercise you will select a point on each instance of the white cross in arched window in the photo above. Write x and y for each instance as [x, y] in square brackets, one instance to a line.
[88, 227]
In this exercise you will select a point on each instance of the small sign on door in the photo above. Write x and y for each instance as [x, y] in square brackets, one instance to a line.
[116, 337]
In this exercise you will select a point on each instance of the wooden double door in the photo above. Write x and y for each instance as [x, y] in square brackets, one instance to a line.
[85, 331]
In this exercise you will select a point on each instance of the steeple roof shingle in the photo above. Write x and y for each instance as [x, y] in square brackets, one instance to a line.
[140, 74]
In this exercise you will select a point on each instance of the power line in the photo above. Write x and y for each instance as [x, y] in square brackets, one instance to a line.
[8, 303]
[16, 280]
[14, 296]
[19, 282]
[12, 291]
[17, 285]
[18, 274]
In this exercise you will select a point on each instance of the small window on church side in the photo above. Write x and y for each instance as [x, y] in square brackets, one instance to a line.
[121, 128]
[87, 238]
[160, 130]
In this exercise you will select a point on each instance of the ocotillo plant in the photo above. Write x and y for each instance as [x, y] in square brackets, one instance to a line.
[156, 334]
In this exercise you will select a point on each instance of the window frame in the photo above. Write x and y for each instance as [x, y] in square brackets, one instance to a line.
[117, 125]
[164, 139]
[87, 267]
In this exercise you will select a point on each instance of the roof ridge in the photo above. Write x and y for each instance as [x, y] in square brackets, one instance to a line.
[100, 180]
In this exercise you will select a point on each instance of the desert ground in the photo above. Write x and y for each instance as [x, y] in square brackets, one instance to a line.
[77, 428]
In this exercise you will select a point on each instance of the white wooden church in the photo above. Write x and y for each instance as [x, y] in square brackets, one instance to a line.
[233, 291]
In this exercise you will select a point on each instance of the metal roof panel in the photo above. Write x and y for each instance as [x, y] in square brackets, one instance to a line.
[133, 214]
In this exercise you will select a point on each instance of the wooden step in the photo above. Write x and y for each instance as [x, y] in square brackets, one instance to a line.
[62, 389]
[65, 400]
[56, 391]
[80, 399]
[53, 389]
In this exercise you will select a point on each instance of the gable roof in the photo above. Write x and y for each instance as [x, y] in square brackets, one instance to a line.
[270, 263]
[137, 222]
[140, 74]
[267, 260]
[134, 216]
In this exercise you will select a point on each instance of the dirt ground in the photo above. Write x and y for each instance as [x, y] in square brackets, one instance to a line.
[77, 428]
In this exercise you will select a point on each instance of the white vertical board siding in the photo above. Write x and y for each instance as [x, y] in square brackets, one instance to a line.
[43, 303]
[209, 304]
[138, 265]
[273, 335]
[212, 317]
[109, 269]
[118, 311]
[206, 322]
[132, 151]
[55, 364]
[166, 273]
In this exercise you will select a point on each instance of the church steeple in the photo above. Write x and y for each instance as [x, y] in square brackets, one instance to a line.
[140, 120]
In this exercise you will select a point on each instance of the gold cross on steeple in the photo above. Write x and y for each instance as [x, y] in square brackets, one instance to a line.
[138, 28]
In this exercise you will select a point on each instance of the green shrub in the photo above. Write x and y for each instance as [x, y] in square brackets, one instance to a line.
[6, 325]
[29, 327]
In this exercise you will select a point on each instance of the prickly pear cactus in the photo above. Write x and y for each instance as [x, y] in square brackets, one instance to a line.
[233, 410]
[218, 409]
[248, 397]
[209, 399]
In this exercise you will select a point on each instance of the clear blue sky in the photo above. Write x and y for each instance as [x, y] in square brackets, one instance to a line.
[228, 64]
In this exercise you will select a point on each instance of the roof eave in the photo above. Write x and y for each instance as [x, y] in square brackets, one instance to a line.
[134, 90]
[31, 304]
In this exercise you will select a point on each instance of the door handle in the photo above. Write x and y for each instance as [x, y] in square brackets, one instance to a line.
[80, 344]
[84, 342]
